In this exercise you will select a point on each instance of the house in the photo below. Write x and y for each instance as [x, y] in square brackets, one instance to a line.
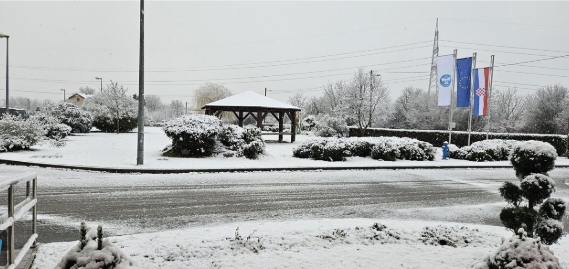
[78, 99]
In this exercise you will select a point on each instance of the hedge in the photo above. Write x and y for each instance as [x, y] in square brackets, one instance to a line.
[559, 142]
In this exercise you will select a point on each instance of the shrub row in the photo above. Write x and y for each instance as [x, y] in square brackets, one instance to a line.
[484, 151]
[380, 148]
[559, 142]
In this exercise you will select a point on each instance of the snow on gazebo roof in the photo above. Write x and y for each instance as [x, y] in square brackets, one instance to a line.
[250, 99]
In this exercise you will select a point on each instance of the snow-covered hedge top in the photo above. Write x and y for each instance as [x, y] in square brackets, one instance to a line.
[464, 132]
[537, 147]
[195, 123]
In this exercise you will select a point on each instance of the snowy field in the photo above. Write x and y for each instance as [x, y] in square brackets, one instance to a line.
[308, 244]
[119, 151]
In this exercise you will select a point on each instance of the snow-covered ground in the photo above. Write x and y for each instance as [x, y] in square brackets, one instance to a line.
[119, 151]
[307, 244]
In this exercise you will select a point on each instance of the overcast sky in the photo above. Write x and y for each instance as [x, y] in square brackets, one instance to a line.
[278, 45]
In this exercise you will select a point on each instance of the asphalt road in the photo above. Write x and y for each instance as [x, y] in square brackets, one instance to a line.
[127, 204]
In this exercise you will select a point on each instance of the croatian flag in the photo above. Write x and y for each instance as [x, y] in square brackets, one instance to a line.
[481, 77]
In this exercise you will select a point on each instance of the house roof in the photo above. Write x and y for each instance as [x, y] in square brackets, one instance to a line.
[251, 99]
[85, 96]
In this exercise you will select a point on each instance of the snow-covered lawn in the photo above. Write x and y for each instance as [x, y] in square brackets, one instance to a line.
[307, 244]
[119, 151]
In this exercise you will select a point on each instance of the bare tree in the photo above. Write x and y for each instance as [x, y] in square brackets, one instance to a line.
[298, 100]
[87, 90]
[333, 96]
[153, 102]
[366, 100]
[113, 104]
[506, 110]
[209, 93]
[177, 108]
[547, 110]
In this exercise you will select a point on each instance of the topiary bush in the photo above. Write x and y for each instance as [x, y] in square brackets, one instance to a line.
[192, 135]
[532, 160]
[520, 252]
[533, 157]
[384, 151]
[93, 251]
[231, 136]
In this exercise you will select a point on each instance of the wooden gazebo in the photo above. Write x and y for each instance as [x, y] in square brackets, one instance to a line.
[257, 106]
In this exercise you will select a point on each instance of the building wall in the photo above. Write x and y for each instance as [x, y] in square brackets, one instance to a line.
[76, 100]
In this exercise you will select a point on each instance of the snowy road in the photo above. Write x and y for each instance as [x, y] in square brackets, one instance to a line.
[127, 204]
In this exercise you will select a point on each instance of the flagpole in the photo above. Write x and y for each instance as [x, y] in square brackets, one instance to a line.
[450, 108]
[471, 95]
[490, 92]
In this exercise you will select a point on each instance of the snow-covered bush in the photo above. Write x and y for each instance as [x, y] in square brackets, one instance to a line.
[384, 151]
[253, 149]
[532, 160]
[192, 135]
[329, 126]
[402, 148]
[79, 120]
[17, 133]
[58, 131]
[484, 151]
[415, 150]
[251, 134]
[309, 122]
[93, 251]
[231, 136]
[455, 152]
[533, 157]
[113, 110]
[520, 252]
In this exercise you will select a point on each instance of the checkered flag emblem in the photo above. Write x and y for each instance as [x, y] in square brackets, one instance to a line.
[481, 92]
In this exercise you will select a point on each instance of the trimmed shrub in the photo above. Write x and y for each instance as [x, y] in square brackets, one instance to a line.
[533, 157]
[384, 151]
[512, 193]
[549, 231]
[536, 188]
[520, 252]
[553, 208]
[79, 120]
[251, 134]
[231, 136]
[385, 147]
[109, 125]
[253, 149]
[515, 218]
[192, 135]
[559, 142]
[17, 133]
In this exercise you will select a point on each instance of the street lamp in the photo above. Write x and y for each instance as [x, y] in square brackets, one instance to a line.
[63, 94]
[101, 79]
[7, 80]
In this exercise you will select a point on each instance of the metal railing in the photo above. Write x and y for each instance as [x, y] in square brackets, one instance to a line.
[15, 212]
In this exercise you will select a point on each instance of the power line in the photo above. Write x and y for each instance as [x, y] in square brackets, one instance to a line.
[509, 52]
[508, 47]
[529, 73]
[237, 66]
[532, 61]
[516, 83]
[511, 23]
[252, 77]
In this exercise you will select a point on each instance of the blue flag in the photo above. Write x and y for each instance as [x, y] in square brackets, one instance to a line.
[463, 73]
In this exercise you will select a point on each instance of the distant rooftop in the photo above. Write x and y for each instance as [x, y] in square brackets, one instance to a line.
[251, 99]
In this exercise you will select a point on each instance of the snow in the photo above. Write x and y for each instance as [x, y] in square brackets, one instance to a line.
[119, 151]
[305, 244]
[250, 99]
[465, 132]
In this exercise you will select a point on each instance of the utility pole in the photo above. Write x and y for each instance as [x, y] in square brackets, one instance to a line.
[7, 76]
[471, 96]
[265, 91]
[140, 145]
[186, 108]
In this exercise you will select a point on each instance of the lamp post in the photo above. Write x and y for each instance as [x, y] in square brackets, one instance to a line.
[101, 79]
[7, 77]
[63, 94]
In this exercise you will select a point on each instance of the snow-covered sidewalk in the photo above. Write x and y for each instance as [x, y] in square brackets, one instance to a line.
[119, 151]
[309, 244]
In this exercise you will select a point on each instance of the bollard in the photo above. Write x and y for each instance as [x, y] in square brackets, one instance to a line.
[445, 151]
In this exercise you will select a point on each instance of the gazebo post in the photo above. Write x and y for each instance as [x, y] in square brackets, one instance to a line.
[240, 118]
[293, 126]
[260, 119]
[281, 126]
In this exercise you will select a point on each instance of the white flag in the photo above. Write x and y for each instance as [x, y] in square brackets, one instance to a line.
[444, 78]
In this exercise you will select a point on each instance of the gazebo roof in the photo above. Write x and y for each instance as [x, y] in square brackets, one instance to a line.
[251, 99]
